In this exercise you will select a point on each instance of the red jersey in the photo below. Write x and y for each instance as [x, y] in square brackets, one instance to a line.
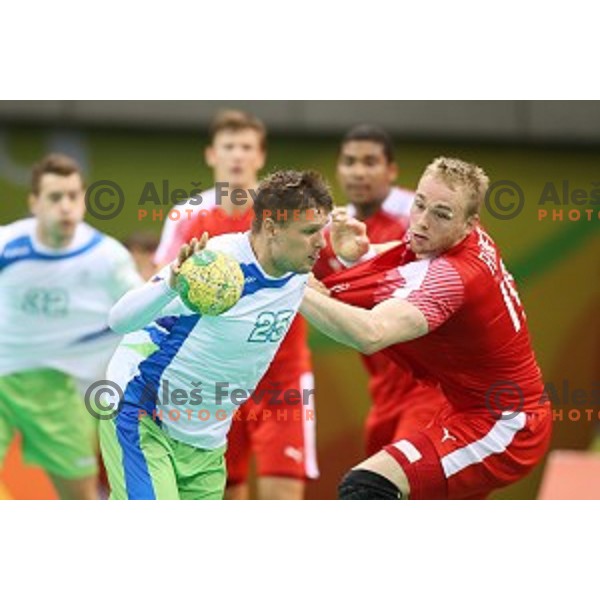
[388, 381]
[478, 346]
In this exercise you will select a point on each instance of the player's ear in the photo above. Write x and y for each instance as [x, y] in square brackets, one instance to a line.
[269, 227]
[392, 172]
[262, 159]
[32, 201]
[472, 222]
[209, 156]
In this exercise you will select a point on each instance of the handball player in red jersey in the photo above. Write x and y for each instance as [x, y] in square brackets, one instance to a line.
[366, 171]
[444, 302]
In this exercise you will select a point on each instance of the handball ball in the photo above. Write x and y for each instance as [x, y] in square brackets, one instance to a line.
[210, 283]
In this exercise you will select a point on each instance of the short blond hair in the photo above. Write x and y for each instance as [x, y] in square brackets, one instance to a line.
[455, 172]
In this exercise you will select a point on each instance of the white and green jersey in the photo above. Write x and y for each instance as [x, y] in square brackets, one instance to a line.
[191, 372]
[54, 304]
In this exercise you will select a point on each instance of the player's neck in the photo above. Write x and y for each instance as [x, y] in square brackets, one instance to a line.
[263, 255]
[241, 203]
[366, 211]
[51, 240]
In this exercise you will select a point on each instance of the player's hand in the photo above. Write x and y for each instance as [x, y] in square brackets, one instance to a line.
[194, 246]
[317, 285]
[348, 235]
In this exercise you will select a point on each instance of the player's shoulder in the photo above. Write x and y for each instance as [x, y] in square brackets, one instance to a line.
[235, 244]
[21, 229]
[198, 203]
[16, 237]
[398, 202]
[113, 249]
[92, 244]
[208, 199]
[88, 238]
[476, 258]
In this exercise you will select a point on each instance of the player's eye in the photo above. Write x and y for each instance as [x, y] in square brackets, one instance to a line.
[443, 215]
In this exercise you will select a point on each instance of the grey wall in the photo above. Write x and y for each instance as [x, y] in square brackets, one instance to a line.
[539, 121]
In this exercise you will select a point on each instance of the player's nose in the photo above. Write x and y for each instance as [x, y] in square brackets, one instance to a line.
[358, 171]
[422, 221]
[65, 205]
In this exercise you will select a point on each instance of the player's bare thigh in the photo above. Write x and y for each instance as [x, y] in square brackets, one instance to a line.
[237, 491]
[385, 465]
[280, 488]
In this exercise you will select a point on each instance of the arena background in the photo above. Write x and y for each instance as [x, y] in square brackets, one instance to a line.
[555, 262]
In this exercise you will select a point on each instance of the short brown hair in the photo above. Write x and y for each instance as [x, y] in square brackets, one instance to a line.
[57, 164]
[283, 192]
[455, 172]
[237, 120]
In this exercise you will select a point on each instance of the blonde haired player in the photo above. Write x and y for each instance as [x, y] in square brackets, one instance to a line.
[443, 302]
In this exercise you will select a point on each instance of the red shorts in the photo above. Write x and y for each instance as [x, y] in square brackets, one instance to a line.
[280, 432]
[411, 410]
[469, 454]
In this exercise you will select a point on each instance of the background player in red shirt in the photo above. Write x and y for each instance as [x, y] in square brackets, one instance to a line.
[444, 302]
[280, 434]
[366, 170]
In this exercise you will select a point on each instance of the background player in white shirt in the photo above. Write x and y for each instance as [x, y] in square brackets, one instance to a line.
[59, 278]
[183, 375]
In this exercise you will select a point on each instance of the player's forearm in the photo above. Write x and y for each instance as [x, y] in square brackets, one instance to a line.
[346, 324]
[368, 331]
[139, 307]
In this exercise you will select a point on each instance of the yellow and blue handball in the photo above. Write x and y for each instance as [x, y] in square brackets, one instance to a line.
[210, 282]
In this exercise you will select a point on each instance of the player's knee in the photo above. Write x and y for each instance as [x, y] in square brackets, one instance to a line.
[361, 484]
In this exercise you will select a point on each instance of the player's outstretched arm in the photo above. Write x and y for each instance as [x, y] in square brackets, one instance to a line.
[368, 331]
[141, 306]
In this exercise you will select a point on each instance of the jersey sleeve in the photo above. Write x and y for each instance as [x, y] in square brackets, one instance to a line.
[226, 243]
[440, 294]
[143, 305]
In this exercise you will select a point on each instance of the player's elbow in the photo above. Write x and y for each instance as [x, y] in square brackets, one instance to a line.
[372, 339]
